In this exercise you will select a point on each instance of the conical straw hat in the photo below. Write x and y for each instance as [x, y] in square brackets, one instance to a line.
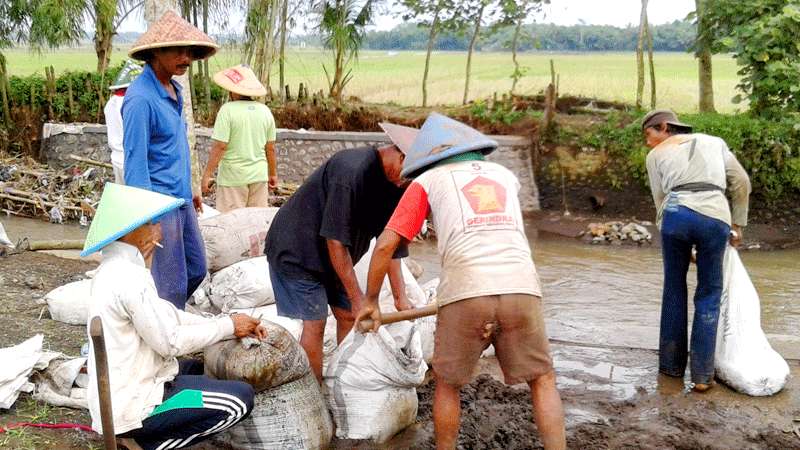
[129, 72]
[440, 138]
[123, 209]
[241, 80]
[172, 31]
[400, 136]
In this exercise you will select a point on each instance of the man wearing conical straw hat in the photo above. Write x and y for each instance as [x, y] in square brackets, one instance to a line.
[157, 148]
[156, 402]
[489, 291]
[243, 144]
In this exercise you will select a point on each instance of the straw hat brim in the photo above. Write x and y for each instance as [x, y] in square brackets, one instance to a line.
[201, 50]
[248, 87]
[401, 136]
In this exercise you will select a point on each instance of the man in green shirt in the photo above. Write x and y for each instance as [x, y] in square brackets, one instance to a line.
[243, 144]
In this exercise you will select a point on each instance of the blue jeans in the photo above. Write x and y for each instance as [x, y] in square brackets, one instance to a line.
[179, 267]
[682, 229]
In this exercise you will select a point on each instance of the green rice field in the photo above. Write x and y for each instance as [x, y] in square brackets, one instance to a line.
[395, 77]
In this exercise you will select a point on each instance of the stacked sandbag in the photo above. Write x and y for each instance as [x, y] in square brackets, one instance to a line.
[70, 303]
[276, 360]
[245, 284]
[370, 382]
[289, 411]
[743, 359]
[290, 416]
[235, 235]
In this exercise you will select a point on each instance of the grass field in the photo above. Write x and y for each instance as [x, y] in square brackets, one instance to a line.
[384, 77]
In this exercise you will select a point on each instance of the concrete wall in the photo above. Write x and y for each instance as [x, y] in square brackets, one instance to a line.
[298, 152]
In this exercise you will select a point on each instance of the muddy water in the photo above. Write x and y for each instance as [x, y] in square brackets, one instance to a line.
[611, 295]
[18, 228]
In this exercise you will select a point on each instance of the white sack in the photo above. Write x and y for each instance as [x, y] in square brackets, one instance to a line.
[235, 235]
[208, 212]
[290, 416]
[744, 360]
[4, 240]
[270, 313]
[70, 303]
[371, 383]
[245, 284]
[413, 290]
[427, 325]
[16, 365]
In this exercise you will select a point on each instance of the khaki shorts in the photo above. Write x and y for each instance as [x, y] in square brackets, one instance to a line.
[235, 197]
[513, 323]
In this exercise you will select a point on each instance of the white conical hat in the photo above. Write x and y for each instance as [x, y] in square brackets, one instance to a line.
[123, 209]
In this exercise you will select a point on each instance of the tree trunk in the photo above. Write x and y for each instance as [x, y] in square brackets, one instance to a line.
[282, 56]
[153, 10]
[517, 74]
[431, 40]
[703, 54]
[472, 41]
[104, 11]
[206, 76]
[3, 93]
[640, 56]
[652, 67]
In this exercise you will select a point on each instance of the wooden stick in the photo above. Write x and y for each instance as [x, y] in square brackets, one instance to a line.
[103, 383]
[66, 244]
[36, 203]
[399, 316]
[91, 161]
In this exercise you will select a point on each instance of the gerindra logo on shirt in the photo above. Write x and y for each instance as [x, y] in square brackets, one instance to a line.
[485, 196]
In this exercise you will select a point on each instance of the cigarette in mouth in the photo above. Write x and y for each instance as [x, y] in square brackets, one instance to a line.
[157, 244]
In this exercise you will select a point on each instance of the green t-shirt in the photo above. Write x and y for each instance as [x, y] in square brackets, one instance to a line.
[246, 126]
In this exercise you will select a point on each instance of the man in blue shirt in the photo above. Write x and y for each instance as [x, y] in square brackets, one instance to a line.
[156, 148]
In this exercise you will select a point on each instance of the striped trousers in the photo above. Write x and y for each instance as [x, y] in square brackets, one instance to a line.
[195, 407]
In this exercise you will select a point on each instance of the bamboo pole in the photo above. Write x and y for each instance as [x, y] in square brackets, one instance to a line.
[91, 161]
[37, 203]
[4, 92]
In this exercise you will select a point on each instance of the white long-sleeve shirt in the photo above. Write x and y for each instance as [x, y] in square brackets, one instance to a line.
[699, 158]
[143, 335]
[113, 115]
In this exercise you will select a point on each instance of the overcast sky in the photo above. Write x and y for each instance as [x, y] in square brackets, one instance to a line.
[562, 12]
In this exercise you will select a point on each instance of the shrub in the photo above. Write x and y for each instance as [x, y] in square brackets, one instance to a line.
[768, 149]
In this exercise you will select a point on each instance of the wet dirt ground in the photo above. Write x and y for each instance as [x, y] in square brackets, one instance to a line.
[613, 397]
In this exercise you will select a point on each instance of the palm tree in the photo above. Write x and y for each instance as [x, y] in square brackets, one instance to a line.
[342, 26]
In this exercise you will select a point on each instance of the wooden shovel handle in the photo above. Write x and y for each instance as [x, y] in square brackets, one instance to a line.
[398, 316]
[103, 386]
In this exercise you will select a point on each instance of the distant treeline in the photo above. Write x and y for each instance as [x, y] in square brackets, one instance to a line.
[675, 36]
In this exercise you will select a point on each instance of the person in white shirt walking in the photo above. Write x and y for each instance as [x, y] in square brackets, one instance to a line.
[113, 115]
[157, 401]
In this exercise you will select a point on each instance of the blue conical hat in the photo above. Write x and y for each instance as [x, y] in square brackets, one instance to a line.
[440, 138]
[123, 209]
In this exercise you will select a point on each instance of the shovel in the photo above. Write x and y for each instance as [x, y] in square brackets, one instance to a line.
[392, 317]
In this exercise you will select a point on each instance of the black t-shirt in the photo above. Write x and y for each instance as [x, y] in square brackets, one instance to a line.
[347, 199]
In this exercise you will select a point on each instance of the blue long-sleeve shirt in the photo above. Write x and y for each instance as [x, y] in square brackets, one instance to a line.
[154, 138]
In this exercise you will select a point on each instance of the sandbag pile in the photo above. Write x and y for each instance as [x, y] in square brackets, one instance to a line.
[743, 359]
[239, 272]
[289, 408]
